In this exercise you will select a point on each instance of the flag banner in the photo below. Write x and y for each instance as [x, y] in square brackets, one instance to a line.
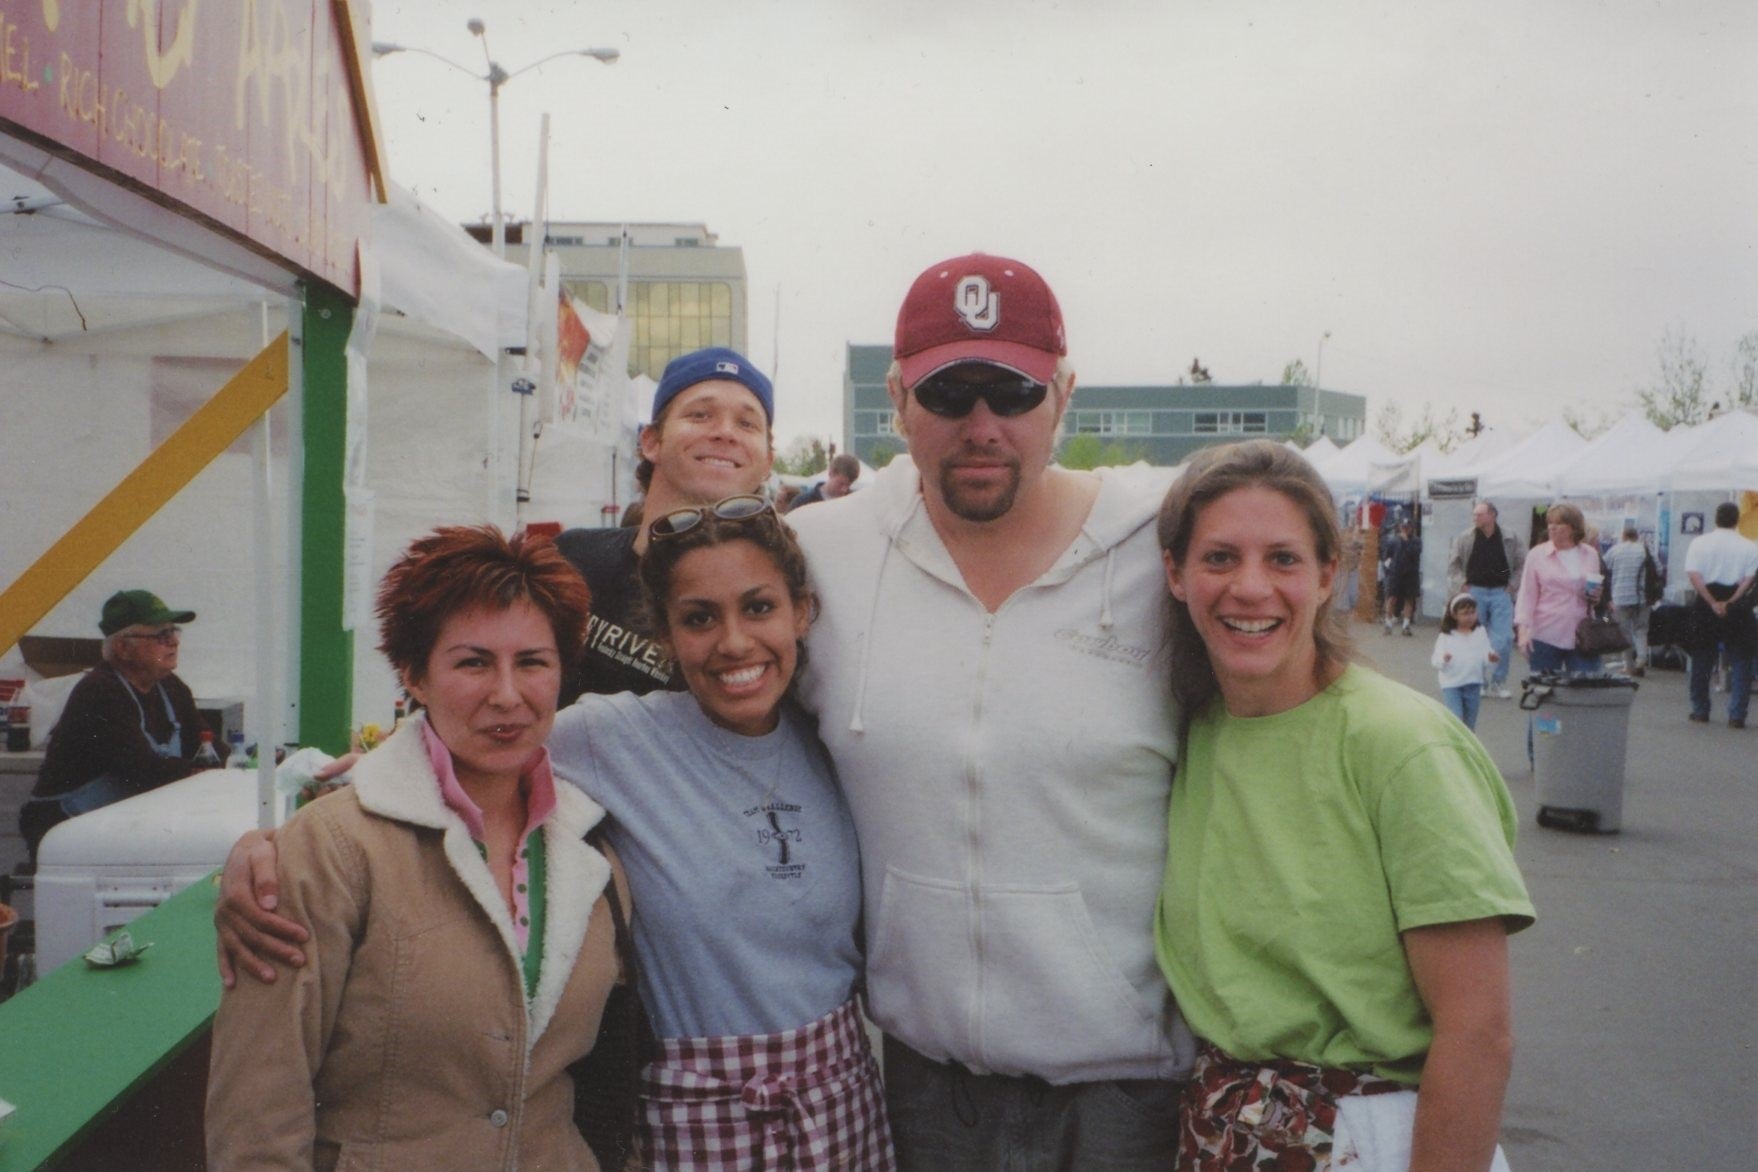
[589, 378]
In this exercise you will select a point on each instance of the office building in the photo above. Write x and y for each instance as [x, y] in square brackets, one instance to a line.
[685, 289]
[1160, 424]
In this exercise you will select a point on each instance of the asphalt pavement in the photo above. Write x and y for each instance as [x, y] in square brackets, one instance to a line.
[1636, 993]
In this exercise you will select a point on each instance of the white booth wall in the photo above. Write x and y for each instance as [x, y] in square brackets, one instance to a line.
[83, 412]
[78, 421]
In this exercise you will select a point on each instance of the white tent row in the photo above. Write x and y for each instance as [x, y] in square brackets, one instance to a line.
[1664, 481]
[108, 341]
[1668, 483]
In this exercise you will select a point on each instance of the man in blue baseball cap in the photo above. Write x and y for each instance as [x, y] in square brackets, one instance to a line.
[711, 437]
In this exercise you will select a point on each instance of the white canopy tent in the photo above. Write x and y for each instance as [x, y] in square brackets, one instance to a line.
[1629, 458]
[1401, 475]
[1474, 453]
[1321, 452]
[1657, 479]
[1350, 471]
[1527, 470]
[1721, 456]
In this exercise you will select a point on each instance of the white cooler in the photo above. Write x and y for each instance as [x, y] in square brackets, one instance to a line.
[100, 870]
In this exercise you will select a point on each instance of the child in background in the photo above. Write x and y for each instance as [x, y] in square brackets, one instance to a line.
[1462, 653]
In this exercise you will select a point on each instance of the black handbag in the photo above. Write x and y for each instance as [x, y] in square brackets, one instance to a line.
[1596, 635]
[607, 1080]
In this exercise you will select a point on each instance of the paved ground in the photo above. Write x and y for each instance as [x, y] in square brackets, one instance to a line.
[1636, 994]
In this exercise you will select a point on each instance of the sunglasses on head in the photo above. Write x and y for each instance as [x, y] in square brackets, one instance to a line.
[733, 508]
[953, 398]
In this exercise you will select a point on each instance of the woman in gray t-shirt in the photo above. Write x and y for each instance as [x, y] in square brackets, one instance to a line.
[741, 859]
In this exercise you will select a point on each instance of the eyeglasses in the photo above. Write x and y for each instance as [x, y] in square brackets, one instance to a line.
[953, 398]
[733, 508]
[167, 636]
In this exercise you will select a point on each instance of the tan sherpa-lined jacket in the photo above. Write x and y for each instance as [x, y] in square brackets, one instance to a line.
[406, 1041]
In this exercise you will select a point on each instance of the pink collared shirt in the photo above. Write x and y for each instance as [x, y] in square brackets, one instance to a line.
[1552, 599]
[539, 785]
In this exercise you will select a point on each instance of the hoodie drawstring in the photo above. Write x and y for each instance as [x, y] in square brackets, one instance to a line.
[1106, 622]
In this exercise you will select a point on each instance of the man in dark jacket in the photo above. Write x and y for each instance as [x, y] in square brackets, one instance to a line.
[711, 438]
[1402, 559]
[129, 726]
[844, 471]
[1487, 561]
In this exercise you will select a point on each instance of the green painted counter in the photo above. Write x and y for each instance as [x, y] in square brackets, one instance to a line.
[75, 1046]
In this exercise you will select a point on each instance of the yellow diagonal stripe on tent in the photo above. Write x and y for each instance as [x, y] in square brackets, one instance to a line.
[161, 476]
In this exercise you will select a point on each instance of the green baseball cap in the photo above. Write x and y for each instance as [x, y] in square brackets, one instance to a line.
[129, 608]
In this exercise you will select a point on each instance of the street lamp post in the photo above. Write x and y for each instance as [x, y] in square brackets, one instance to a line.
[1318, 371]
[496, 77]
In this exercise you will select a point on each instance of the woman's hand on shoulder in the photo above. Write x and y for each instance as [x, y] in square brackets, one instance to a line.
[248, 934]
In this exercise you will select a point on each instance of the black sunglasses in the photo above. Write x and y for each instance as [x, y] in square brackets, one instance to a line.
[952, 398]
[733, 508]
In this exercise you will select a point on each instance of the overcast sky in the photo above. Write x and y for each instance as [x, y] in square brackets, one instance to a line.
[1492, 204]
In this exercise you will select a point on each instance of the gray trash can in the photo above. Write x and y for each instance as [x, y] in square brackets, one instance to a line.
[1581, 729]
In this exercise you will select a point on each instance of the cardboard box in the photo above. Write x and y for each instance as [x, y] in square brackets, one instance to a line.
[56, 655]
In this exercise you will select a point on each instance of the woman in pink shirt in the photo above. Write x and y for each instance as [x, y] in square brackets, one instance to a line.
[1553, 596]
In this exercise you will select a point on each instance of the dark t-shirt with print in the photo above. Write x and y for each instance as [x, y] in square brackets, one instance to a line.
[619, 655]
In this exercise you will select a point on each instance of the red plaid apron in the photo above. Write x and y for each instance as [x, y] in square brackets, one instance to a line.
[1244, 1116]
[803, 1100]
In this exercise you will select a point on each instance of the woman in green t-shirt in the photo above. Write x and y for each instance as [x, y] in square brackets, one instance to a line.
[1340, 881]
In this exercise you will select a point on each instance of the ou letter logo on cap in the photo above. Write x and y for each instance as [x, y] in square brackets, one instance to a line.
[976, 304]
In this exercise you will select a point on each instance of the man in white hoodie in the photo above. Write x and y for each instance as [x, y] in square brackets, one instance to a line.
[989, 674]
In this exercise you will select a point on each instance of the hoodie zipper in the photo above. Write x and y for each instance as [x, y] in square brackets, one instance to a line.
[973, 840]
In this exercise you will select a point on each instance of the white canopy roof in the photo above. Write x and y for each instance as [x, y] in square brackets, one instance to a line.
[1349, 471]
[1529, 468]
[1402, 475]
[1720, 455]
[1476, 452]
[1321, 451]
[1632, 457]
[68, 272]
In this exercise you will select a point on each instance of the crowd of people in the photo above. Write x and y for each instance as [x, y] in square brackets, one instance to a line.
[1071, 787]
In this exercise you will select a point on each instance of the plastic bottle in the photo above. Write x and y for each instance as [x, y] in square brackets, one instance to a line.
[236, 757]
[207, 756]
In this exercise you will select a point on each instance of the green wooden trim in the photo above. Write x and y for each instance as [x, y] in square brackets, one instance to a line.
[326, 650]
[75, 1045]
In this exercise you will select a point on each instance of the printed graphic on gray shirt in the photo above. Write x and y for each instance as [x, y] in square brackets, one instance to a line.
[779, 835]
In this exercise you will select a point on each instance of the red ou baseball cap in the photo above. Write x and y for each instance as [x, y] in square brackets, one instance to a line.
[979, 308]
